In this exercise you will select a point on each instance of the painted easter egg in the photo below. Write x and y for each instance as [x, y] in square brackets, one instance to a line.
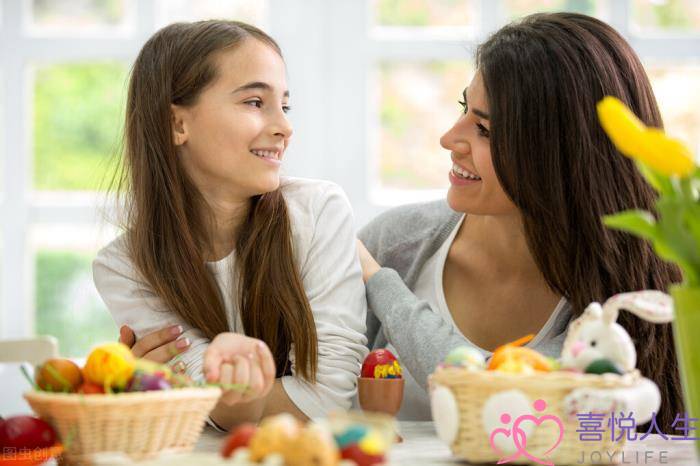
[110, 365]
[467, 357]
[274, 435]
[351, 435]
[354, 453]
[603, 366]
[314, 446]
[147, 383]
[26, 432]
[381, 364]
[239, 438]
[59, 375]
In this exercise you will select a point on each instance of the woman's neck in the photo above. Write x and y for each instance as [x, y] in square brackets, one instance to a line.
[498, 244]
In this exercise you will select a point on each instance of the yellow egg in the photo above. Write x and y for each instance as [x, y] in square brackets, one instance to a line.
[274, 435]
[110, 365]
[314, 446]
[372, 444]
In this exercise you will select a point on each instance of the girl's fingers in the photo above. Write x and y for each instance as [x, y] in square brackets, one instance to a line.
[256, 383]
[241, 373]
[267, 366]
[212, 362]
[228, 377]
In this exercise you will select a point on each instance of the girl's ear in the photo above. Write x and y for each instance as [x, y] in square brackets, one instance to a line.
[177, 124]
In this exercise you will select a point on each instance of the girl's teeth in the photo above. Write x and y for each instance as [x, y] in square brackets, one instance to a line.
[265, 153]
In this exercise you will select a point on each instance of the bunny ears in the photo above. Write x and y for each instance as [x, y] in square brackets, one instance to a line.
[650, 305]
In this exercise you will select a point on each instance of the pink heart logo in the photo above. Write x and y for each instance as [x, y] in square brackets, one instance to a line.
[538, 421]
[499, 452]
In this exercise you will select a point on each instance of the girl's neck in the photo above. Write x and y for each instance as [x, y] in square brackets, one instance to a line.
[226, 217]
[498, 241]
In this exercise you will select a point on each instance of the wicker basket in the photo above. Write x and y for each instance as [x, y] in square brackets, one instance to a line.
[140, 425]
[472, 389]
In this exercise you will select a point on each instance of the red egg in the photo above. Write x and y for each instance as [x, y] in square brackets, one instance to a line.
[237, 439]
[22, 432]
[89, 388]
[380, 357]
[354, 453]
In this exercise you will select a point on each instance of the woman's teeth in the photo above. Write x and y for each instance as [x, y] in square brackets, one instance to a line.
[269, 154]
[462, 173]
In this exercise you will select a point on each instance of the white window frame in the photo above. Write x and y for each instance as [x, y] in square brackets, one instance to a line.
[330, 53]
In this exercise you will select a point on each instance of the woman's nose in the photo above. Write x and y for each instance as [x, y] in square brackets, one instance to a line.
[454, 140]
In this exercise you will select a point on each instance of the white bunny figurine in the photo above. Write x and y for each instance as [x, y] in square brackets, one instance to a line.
[595, 334]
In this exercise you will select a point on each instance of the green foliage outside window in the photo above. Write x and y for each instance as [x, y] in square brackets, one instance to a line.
[67, 305]
[78, 118]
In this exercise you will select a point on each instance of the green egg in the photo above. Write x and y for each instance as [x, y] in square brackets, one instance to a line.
[603, 366]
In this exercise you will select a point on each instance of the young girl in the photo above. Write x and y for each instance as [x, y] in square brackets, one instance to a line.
[519, 247]
[216, 241]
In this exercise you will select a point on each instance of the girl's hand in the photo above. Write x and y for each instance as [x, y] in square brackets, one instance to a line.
[160, 346]
[232, 358]
[369, 265]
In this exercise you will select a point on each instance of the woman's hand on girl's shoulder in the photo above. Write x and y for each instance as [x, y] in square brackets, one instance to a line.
[246, 364]
[367, 261]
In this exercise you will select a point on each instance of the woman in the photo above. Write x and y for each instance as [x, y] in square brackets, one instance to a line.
[519, 246]
[217, 246]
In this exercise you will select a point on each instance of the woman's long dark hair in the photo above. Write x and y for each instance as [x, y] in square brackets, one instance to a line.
[543, 77]
[167, 218]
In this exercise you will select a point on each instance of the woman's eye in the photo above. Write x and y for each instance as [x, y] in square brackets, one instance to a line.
[482, 130]
[254, 103]
[463, 104]
[286, 108]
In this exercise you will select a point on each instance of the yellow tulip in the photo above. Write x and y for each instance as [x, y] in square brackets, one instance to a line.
[623, 128]
[648, 145]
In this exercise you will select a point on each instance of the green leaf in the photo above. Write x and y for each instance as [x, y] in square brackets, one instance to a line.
[638, 222]
[661, 183]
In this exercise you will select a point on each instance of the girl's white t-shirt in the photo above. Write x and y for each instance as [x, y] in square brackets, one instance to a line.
[326, 255]
[429, 287]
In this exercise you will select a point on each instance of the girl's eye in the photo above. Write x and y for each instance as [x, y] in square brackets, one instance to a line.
[254, 103]
[286, 108]
[463, 104]
[482, 130]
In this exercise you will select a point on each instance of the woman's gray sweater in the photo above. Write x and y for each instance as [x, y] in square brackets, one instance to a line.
[402, 240]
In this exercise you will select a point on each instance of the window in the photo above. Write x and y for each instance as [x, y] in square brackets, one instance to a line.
[78, 119]
[64, 79]
[374, 84]
[79, 17]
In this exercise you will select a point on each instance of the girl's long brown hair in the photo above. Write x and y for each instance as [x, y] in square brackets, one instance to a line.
[543, 76]
[167, 218]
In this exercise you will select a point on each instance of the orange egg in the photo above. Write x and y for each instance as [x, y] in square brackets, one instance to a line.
[513, 355]
[59, 375]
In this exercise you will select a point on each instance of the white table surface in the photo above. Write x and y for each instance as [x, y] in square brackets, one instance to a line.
[422, 447]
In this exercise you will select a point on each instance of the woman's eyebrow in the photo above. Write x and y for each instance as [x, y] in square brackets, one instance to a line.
[480, 113]
[257, 85]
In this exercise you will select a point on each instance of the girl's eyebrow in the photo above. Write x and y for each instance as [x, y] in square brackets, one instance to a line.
[257, 85]
[480, 113]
